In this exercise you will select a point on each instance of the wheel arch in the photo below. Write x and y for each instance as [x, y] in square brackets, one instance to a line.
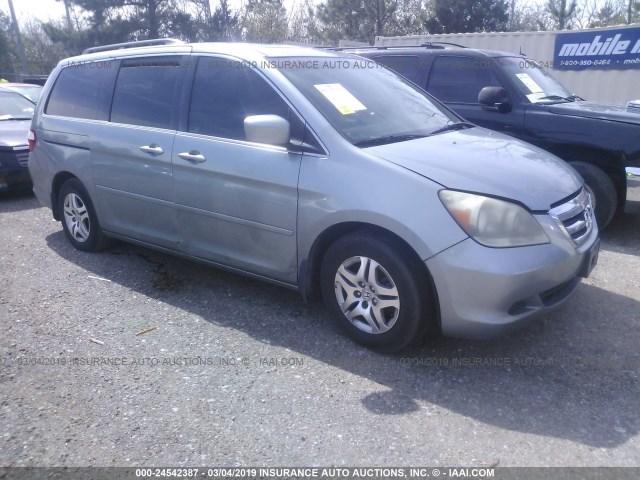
[309, 273]
[612, 163]
[56, 185]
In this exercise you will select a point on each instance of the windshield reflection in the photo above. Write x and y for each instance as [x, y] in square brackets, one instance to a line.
[536, 83]
[368, 104]
[14, 106]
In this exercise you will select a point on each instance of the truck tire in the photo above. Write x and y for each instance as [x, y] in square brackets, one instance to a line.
[602, 187]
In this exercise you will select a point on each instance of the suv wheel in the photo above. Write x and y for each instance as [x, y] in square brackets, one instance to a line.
[79, 219]
[602, 190]
[375, 293]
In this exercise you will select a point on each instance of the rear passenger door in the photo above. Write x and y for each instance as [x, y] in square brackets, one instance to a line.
[236, 201]
[457, 80]
[131, 154]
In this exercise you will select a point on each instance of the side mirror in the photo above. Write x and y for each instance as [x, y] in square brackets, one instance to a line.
[495, 98]
[269, 129]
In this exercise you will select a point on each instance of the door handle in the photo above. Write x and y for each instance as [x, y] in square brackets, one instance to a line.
[152, 149]
[192, 156]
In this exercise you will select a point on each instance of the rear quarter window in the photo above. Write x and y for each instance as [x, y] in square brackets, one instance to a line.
[83, 90]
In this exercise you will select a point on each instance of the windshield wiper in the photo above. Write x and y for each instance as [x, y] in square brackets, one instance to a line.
[574, 97]
[453, 126]
[554, 97]
[10, 117]
[370, 142]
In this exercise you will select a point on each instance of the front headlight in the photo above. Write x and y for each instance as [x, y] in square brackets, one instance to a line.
[492, 222]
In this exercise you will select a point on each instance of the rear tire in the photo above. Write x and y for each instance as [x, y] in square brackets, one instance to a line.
[376, 292]
[79, 219]
[602, 188]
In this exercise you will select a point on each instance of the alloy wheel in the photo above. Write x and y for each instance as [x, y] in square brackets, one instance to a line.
[367, 295]
[76, 217]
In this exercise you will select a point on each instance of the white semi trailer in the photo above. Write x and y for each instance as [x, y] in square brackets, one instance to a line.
[600, 64]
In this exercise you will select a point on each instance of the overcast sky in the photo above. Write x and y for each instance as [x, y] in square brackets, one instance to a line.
[41, 9]
[53, 10]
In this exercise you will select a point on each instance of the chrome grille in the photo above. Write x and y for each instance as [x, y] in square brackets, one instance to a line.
[23, 158]
[575, 216]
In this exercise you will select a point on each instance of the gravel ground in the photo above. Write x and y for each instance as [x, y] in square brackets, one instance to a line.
[242, 373]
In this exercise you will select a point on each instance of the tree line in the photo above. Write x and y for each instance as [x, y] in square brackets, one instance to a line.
[98, 22]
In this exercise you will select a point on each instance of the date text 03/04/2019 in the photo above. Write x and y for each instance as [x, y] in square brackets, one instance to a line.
[314, 472]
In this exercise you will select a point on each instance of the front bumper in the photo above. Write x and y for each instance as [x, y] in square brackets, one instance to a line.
[13, 169]
[484, 292]
[14, 180]
[633, 184]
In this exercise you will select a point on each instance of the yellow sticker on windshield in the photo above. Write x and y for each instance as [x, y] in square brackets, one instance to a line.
[341, 98]
[529, 82]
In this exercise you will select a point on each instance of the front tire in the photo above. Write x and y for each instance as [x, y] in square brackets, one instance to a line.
[79, 219]
[376, 292]
[602, 189]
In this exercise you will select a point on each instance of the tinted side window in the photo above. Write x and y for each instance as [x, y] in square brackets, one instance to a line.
[147, 92]
[460, 79]
[409, 66]
[83, 90]
[224, 93]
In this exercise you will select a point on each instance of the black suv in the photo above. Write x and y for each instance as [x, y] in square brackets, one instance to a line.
[514, 95]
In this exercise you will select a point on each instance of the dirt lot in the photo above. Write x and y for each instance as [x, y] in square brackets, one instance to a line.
[243, 373]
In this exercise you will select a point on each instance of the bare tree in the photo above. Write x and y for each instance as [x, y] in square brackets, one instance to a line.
[302, 23]
[596, 13]
[265, 21]
[42, 54]
[633, 11]
[529, 17]
[67, 9]
[587, 12]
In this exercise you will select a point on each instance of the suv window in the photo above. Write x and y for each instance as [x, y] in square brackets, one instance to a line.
[227, 91]
[460, 79]
[147, 92]
[409, 66]
[83, 90]
[536, 83]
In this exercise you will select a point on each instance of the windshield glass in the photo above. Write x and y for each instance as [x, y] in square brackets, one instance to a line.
[32, 93]
[365, 102]
[14, 106]
[536, 83]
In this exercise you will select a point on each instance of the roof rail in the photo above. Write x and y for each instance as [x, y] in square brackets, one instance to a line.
[434, 45]
[139, 43]
[428, 44]
[369, 47]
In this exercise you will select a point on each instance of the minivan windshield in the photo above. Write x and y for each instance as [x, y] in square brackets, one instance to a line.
[14, 106]
[366, 103]
[536, 83]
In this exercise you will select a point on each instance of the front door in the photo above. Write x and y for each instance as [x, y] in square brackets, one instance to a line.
[236, 201]
[457, 81]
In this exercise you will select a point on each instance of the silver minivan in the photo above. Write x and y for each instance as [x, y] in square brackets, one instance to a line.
[316, 170]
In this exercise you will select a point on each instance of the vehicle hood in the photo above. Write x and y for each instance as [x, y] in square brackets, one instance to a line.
[13, 133]
[482, 161]
[614, 113]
